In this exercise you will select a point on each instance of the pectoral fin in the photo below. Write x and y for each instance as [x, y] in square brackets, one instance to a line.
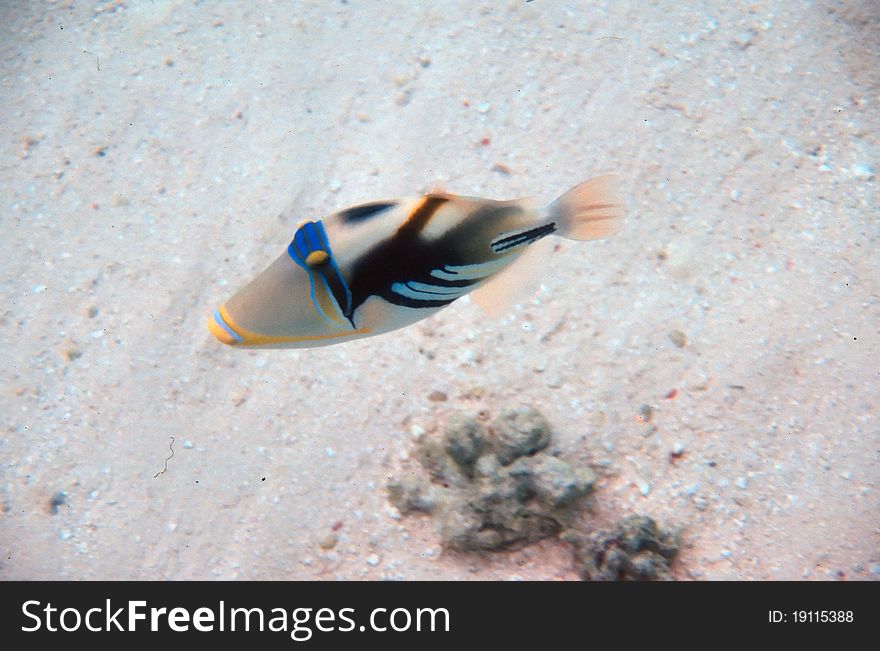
[516, 282]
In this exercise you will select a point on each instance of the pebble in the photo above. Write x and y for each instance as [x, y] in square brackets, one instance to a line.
[742, 482]
[485, 107]
[678, 448]
[329, 541]
[188, 444]
[744, 38]
[463, 439]
[520, 433]
[72, 354]
[373, 560]
[678, 338]
[863, 172]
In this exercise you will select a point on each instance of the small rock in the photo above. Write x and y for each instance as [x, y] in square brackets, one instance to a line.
[553, 480]
[744, 38]
[487, 466]
[520, 433]
[464, 439]
[412, 494]
[637, 550]
[432, 456]
[863, 172]
[329, 541]
[72, 354]
[58, 500]
[678, 338]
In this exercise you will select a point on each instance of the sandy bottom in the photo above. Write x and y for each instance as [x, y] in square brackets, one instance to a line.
[155, 155]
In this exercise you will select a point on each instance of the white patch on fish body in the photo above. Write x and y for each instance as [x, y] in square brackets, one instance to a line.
[470, 271]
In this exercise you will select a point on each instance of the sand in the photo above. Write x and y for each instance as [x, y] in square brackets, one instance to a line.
[715, 362]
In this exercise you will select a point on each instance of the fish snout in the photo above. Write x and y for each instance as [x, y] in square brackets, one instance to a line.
[221, 328]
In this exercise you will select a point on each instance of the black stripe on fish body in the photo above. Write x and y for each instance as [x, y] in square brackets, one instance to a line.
[338, 290]
[364, 211]
[404, 261]
[406, 257]
[523, 237]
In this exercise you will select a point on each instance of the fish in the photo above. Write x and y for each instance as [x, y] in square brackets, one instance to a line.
[379, 266]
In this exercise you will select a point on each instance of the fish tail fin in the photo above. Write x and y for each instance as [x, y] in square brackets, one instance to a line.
[588, 211]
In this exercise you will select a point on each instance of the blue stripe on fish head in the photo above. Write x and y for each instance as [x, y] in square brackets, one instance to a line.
[309, 238]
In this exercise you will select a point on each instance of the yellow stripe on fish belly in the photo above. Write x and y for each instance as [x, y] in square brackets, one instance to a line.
[256, 339]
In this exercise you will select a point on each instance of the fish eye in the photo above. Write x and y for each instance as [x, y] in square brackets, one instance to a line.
[317, 259]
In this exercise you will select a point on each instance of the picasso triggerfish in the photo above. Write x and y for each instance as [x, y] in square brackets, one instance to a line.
[383, 265]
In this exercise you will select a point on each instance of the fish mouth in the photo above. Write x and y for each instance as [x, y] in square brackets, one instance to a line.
[221, 327]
